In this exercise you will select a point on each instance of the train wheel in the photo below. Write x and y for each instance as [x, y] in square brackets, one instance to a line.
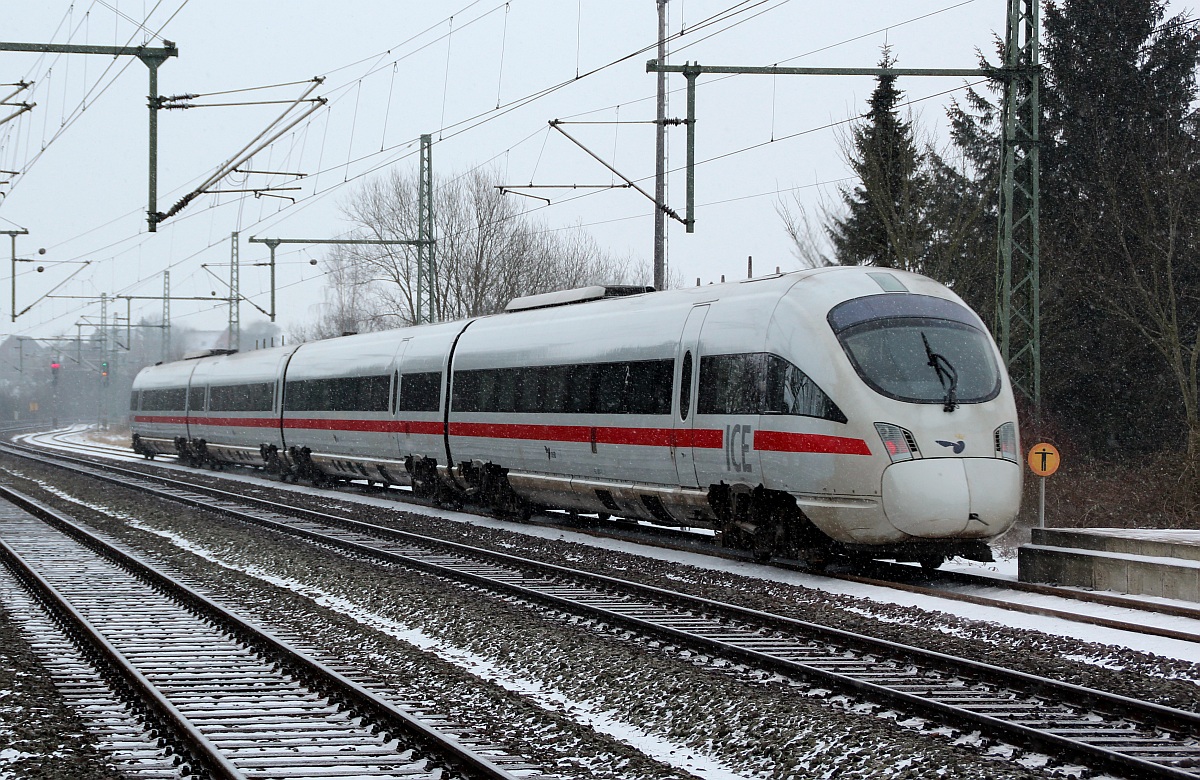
[424, 479]
[931, 562]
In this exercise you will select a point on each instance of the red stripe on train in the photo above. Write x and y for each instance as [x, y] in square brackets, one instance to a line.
[373, 426]
[779, 441]
[233, 422]
[703, 438]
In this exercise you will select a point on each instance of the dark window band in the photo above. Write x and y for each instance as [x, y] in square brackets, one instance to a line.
[163, 400]
[761, 383]
[338, 394]
[635, 387]
[258, 397]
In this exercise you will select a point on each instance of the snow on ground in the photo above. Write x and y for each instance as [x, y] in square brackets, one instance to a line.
[1003, 570]
[673, 754]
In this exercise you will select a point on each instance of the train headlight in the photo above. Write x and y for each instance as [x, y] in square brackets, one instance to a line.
[1006, 441]
[898, 442]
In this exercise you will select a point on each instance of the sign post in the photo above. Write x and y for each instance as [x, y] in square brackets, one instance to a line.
[1043, 460]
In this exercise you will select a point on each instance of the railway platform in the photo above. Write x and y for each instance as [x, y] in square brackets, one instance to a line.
[1152, 562]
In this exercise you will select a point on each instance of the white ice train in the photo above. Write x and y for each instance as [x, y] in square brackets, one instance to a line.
[839, 411]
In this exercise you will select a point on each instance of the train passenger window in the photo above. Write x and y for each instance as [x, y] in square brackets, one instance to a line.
[731, 384]
[638, 387]
[485, 390]
[685, 386]
[649, 387]
[579, 389]
[465, 390]
[555, 381]
[761, 383]
[256, 397]
[195, 398]
[421, 392]
[338, 394]
[610, 388]
[530, 398]
[506, 389]
[790, 391]
[474, 391]
[164, 399]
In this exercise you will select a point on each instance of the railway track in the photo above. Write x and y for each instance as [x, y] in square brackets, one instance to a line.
[941, 584]
[1105, 731]
[215, 695]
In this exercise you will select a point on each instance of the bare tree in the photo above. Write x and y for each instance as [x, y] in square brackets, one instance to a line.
[1149, 275]
[351, 302]
[487, 252]
[810, 242]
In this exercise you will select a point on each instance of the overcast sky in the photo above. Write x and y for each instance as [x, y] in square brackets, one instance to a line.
[394, 70]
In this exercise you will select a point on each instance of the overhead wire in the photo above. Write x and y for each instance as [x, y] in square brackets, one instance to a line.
[503, 45]
[843, 42]
[248, 89]
[446, 84]
[78, 111]
[541, 93]
[513, 104]
[531, 97]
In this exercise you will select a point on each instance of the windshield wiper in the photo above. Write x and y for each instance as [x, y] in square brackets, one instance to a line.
[945, 374]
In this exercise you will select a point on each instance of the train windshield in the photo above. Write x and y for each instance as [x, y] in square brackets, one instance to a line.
[919, 349]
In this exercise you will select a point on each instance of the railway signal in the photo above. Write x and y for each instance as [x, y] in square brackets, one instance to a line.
[54, 367]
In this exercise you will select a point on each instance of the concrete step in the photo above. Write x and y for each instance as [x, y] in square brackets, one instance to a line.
[1159, 542]
[1080, 558]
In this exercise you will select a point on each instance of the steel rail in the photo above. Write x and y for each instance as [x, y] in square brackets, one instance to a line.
[512, 581]
[965, 578]
[120, 672]
[676, 540]
[307, 670]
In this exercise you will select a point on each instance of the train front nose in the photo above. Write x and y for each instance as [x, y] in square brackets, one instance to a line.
[947, 497]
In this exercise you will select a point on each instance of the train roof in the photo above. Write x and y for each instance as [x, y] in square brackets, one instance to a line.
[829, 285]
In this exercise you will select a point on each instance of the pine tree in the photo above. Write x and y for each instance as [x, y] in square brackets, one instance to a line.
[883, 224]
[962, 205]
[1120, 269]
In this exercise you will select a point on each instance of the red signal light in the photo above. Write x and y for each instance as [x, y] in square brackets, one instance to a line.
[56, 366]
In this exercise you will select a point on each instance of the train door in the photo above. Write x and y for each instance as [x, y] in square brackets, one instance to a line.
[687, 377]
[401, 443]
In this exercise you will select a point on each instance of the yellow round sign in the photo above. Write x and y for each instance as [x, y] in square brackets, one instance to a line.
[1044, 459]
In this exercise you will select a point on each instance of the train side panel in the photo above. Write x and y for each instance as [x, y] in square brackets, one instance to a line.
[424, 370]
[576, 404]
[158, 407]
[546, 422]
[241, 413]
[338, 412]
